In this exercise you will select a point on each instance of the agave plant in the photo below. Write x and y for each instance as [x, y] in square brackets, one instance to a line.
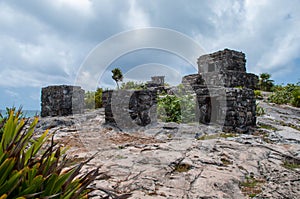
[34, 168]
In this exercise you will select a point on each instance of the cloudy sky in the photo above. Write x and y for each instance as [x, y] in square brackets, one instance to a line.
[47, 42]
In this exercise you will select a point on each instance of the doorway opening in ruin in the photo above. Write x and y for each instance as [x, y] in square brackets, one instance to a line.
[209, 110]
[215, 108]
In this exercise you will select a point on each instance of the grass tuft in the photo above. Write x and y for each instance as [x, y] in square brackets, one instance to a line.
[251, 187]
[291, 164]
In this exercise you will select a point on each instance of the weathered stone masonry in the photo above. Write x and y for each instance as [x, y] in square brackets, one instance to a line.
[62, 100]
[224, 90]
[226, 68]
[129, 108]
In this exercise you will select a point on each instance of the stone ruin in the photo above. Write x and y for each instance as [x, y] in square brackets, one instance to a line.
[224, 91]
[128, 109]
[156, 81]
[226, 68]
[62, 100]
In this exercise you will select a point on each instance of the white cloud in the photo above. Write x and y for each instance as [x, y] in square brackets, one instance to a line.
[81, 7]
[45, 42]
[11, 93]
[136, 17]
[267, 31]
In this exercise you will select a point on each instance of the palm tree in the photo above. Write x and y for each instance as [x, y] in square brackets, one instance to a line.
[117, 75]
[265, 83]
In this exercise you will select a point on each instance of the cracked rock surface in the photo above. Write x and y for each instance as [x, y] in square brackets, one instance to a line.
[188, 161]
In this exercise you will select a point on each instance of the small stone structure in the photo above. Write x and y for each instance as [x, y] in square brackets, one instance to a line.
[128, 109]
[226, 68]
[224, 90]
[62, 100]
[156, 81]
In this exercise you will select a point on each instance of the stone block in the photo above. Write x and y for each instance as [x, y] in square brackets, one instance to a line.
[62, 100]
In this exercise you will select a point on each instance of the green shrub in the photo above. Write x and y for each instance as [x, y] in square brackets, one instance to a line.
[188, 108]
[98, 98]
[280, 96]
[177, 108]
[259, 110]
[296, 97]
[169, 108]
[89, 100]
[32, 168]
[257, 94]
[286, 94]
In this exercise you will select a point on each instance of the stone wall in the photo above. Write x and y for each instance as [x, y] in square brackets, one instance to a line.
[62, 100]
[129, 109]
[223, 88]
[226, 68]
[224, 91]
[222, 61]
[156, 81]
[233, 108]
[231, 79]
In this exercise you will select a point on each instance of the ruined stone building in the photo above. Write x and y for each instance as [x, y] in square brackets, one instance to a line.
[62, 100]
[224, 90]
[128, 109]
[156, 81]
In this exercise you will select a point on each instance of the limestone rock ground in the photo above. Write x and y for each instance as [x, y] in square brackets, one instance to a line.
[188, 161]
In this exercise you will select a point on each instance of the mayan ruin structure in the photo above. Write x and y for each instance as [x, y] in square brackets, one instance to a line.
[224, 90]
[62, 100]
[222, 87]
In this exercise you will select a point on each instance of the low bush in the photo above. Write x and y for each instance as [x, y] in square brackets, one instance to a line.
[259, 110]
[168, 108]
[258, 94]
[177, 108]
[286, 94]
[296, 97]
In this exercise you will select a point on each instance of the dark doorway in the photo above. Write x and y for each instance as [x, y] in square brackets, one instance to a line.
[209, 110]
[215, 108]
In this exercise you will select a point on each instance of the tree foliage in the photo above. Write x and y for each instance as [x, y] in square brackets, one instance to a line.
[98, 98]
[93, 99]
[89, 100]
[117, 75]
[265, 83]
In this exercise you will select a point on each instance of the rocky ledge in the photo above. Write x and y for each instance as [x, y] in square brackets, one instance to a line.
[187, 161]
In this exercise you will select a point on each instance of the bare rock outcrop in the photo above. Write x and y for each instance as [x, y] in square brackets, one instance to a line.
[188, 161]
